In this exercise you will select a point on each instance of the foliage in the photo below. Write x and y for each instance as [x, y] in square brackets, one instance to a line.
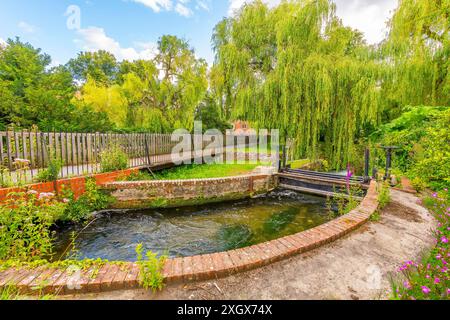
[205, 171]
[209, 113]
[33, 93]
[424, 140]
[113, 158]
[25, 221]
[134, 96]
[91, 200]
[100, 66]
[416, 54]
[297, 68]
[139, 176]
[428, 280]
[384, 194]
[5, 178]
[418, 184]
[9, 293]
[151, 268]
[344, 202]
[51, 173]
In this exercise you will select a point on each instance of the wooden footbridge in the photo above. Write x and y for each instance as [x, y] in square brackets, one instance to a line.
[319, 183]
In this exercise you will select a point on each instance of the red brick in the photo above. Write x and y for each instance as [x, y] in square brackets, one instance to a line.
[188, 269]
[94, 284]
[132, 279]
[119, 279]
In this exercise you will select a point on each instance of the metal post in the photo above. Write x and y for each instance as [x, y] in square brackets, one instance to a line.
[367, 165]
[388, 161]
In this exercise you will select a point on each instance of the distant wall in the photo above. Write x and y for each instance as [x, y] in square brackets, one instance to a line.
[176, 193]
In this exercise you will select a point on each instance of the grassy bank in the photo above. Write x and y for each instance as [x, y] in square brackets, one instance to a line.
[198, 172]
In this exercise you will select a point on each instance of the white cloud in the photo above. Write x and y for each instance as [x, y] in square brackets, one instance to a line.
[368, 16]
[181, 7]
[203, 4]
[2, 42]
[26, 27]
[183, 10]
[156, 5]
[93, 39]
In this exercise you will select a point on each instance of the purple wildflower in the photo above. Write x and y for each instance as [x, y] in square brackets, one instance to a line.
[426, 290]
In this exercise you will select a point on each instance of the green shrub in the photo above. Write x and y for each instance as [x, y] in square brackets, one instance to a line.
[91, 200]
[25, 222]
[51, 173]
[5, 178]
[418, 184]
[384, 194]
[151, 268]
[113, 159]
[424, 140]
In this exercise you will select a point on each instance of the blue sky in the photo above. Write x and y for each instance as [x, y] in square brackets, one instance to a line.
[131, 28]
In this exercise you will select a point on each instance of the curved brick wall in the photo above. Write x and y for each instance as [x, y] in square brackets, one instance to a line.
[204, 267]
[176, 193]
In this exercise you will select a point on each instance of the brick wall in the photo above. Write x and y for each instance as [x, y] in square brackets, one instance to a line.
[77, 185]
[148, 194]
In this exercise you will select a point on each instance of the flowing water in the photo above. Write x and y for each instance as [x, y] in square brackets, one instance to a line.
[195, 230]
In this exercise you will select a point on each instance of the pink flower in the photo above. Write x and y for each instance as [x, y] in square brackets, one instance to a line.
[426, 290]
[407, 285]
[46, 195]
[437, 281]
[444, 240]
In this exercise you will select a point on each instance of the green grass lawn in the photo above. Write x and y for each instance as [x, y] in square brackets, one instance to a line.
[297, 164]
[199, 172]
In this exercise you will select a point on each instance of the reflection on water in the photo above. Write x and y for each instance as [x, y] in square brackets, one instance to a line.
[197, 230]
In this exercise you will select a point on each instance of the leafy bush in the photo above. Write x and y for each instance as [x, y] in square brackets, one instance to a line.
[424, 140]
[5, 178]
[418, 184]
[150, 269]
[428, 280]
[384, 194]
[113, 159]
[25, 221]
[51, 173]
[92, 200]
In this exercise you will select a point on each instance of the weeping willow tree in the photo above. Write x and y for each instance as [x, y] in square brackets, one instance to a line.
[417, 54]
[297, 68]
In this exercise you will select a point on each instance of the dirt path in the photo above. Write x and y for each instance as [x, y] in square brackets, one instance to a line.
[355, 267]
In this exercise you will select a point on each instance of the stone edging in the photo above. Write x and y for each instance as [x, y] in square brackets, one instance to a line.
[197, 268]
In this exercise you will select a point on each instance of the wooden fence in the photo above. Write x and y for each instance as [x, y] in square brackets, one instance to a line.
[23, 154]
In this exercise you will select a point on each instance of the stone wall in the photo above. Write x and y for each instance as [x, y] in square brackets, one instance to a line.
[176, 193]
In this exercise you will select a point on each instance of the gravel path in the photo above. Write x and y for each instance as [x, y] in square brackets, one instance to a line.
[355, 267]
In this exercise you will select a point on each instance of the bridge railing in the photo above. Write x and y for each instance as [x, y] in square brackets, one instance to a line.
[24, 154]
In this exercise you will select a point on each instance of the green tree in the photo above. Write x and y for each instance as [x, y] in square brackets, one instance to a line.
[209, 113]
[417, 54]
[33, 93]
[184, 81]
[297, 68]
[100, 66]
